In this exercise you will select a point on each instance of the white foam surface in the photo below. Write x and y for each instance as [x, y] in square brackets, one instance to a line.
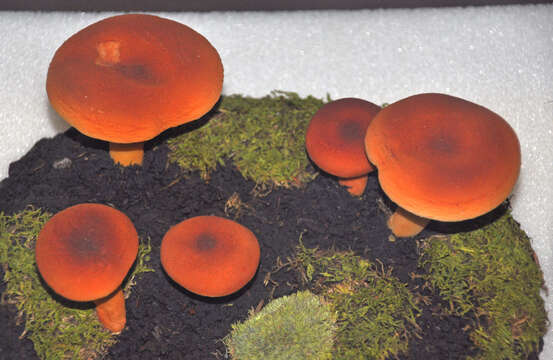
[499, 57]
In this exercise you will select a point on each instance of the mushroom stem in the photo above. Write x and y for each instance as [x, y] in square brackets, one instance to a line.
[355, 186]
[127, 154]
[111, 311]
[405, 224]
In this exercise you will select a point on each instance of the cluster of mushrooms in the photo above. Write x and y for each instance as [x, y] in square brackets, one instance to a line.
[85, 251]
[438, 157]
[127, 78]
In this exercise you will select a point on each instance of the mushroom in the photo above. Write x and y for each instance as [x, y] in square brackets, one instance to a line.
[84, 252]
[443, 158]
[335, 141]
[127, 78]
[210, 255]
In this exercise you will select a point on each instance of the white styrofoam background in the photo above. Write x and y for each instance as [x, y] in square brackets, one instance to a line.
[499, 57]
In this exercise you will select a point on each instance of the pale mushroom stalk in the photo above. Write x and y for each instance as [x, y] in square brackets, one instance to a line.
[127, 154]
[355, 186]
[111, 311]
[406, 224]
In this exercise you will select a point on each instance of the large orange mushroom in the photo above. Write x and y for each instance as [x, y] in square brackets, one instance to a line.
[335, 137]
[210, 255]
[443, 158]
[127, 78]
[84, 252]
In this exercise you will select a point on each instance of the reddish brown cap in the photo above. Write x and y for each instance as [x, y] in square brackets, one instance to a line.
[85, 251]
[210, 255]
[127, 78]
[442, 157]
[335, 137]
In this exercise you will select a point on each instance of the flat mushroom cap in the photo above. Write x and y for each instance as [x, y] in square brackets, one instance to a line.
[85, 251]
[210, 256]
[127, 78]
[335, 137]
[442, 157]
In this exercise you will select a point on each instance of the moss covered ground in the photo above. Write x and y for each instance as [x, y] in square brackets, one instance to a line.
[488, 275]
[376, 313]
[293, 327]
[262, 137]
[491, 273]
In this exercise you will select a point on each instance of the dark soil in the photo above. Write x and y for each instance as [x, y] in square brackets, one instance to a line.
[165, 321]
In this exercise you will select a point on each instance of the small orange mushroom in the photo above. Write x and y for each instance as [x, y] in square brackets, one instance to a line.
[443, 158]
[84, 252]
[210, 256]
[335, 141]
[127, 78]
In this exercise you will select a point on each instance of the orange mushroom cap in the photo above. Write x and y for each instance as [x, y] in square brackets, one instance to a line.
[442, 157]
[335, 137]
[85, 251]
[127, 78]
[210, 256]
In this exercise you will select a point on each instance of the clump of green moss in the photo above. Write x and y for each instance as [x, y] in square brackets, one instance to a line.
[491, 273]
[376, 313]
[299, 326]
[56, 330]
[263, 137]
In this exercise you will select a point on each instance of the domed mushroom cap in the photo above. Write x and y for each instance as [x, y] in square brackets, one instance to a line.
[335, 137]
[210, 256]
[442, 157]
[85, 251]
[127, 78]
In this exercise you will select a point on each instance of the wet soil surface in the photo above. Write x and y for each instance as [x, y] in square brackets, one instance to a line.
[164, 321]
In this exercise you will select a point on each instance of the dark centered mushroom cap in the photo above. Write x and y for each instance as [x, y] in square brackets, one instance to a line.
[129, 77]
[85, 251]
[210, 256]
[442, 157]
[335, 137]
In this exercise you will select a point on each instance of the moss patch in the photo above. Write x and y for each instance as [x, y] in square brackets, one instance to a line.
[299, 326]
[376, 313]
[491, 273]
[263, 137]
[59, 329]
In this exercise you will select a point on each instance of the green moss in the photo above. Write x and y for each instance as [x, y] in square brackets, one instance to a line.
[375, 312]
[295, 327]
[140, 266]
[491, 273]
[263, 137]
[56, 330]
